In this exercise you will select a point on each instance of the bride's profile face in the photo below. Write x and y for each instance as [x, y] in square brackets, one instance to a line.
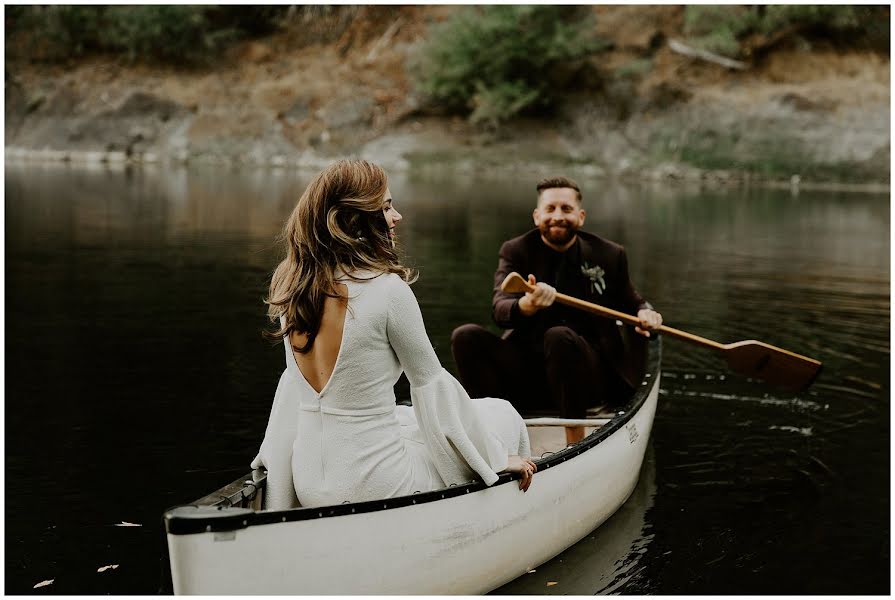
[392, 216]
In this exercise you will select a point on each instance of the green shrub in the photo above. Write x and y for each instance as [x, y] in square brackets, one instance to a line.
[494, 62]
[164, 33]
[717, 28]
[777, 16]
[56, 32]
[721, 29]
[167, 33]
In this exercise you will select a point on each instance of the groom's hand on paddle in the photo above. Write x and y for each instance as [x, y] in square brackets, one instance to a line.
[649, 320]
[542, 297]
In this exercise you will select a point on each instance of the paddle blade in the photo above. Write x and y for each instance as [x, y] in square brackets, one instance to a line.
[774, 365]
[515, 284]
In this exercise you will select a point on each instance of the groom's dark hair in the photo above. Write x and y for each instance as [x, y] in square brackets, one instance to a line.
[558, 182]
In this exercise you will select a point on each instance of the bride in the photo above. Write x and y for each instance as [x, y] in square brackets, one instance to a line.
[350, 325]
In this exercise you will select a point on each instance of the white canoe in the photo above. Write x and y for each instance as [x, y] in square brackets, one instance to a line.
[467, 539]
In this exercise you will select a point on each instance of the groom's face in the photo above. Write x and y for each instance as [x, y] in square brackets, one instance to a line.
[558, 215]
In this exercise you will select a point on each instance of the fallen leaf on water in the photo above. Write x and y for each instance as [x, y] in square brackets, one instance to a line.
[106, 568]
[43, 583]
[549, 583]
[126, 524]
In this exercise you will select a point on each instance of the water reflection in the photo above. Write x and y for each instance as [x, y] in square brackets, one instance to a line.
[605, 560]
[136, 376]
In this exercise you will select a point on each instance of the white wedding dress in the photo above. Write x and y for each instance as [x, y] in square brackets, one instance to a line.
[351, 443]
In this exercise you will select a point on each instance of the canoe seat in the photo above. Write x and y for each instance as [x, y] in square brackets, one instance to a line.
[553, 439]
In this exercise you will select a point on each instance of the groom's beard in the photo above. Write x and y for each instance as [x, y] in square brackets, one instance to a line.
[558, 234]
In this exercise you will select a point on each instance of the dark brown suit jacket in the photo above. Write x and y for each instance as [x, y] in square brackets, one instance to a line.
[593, 269]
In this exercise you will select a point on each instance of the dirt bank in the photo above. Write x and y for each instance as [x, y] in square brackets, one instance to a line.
[799, 114]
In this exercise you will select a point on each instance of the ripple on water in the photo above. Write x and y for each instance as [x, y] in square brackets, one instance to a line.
[806, 431]
[763, 400]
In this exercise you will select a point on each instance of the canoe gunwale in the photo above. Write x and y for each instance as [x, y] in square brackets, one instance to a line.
[222, 515]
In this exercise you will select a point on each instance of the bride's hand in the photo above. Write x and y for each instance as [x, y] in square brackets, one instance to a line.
[516, 464]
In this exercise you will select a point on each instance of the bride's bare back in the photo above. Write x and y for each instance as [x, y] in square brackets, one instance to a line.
[318, 363]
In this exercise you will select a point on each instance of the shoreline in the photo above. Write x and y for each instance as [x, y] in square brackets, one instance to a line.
[664, 173]
[797, 118]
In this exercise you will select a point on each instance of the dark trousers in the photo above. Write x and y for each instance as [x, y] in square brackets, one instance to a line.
[568, 377]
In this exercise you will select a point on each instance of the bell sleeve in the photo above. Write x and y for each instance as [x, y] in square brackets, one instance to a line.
[458, 441]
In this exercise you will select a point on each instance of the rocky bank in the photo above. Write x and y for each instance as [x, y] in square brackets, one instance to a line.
[796, 114]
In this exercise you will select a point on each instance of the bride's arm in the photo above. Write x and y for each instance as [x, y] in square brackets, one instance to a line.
[408, 338]
[457, 438]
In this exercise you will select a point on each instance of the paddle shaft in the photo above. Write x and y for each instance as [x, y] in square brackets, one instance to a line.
[749, 357]
[632, 320]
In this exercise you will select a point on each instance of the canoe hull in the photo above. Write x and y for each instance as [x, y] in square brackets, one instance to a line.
[466, 544]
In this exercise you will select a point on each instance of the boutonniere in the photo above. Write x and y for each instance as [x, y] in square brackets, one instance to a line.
[595, 275]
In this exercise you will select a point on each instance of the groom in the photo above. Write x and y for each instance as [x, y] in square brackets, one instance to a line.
[555, 356]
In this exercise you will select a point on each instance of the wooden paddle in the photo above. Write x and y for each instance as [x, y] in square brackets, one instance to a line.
[750, 358]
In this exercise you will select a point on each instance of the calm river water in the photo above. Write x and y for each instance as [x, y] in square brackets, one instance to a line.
[137, 378]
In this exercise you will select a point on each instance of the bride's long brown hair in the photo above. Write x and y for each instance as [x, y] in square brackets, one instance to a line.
[337, 226]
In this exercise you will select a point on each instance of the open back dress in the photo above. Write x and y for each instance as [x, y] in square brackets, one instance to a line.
[350, 442]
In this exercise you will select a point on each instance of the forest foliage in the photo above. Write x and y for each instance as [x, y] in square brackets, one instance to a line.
[495, 62]
[176, 34]
[490, 63]
[726, 29]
